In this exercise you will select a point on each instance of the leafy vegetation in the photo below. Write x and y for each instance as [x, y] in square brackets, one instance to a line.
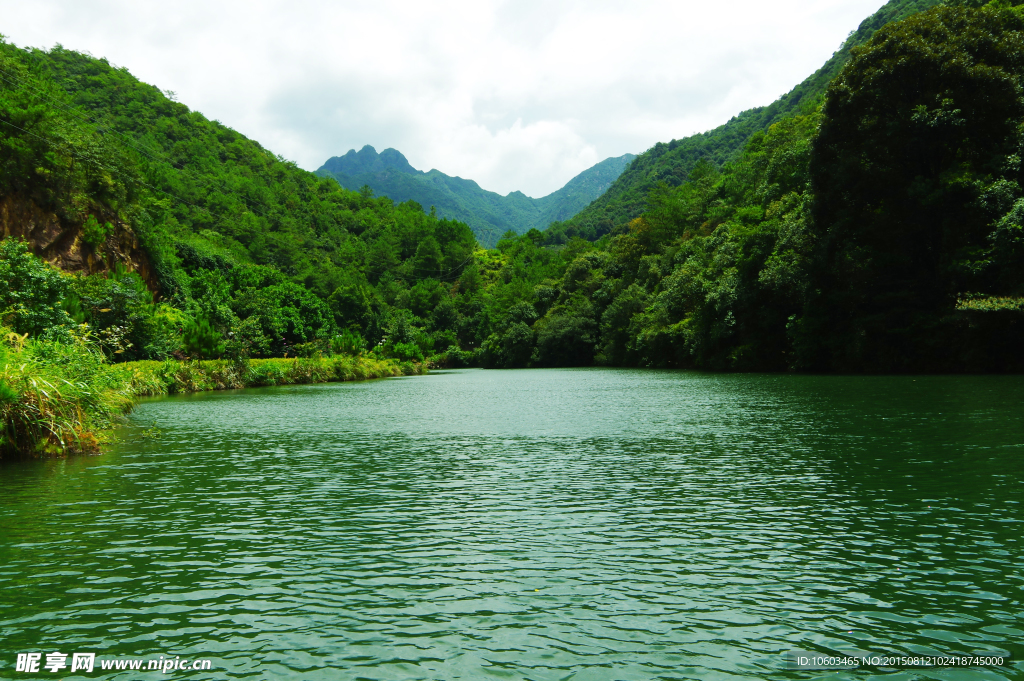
[880, 229]
[61, 397]
[672, 162]
[268, 256]
[917, 177]
[247, 250]
[54, 396]
[31, 293]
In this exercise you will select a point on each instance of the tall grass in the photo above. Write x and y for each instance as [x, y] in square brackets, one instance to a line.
[172, 376]
[56, 397]
[63, 398]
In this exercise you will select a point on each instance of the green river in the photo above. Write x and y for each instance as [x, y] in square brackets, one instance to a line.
[537, 524]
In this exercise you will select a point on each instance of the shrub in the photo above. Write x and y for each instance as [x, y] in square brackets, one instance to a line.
[94, 233]
[31, 291]
[406, 352]
[348, 342]
[201, 340]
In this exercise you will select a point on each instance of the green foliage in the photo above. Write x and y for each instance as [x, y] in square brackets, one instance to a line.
[246, 339]
[404, 352]
[513, 345]
[352, 304]
[54, 396]
[348, 343]
[617, 333]
[917, 177]
[50, 154]
[31, 292]
[200, 197]
[880, 227]
[568, 335]
[990, 304]
[119, 309]
[201, 340]
[58, 398]
[672, 162]
[880, 234]
[94, 233]
[708, 277]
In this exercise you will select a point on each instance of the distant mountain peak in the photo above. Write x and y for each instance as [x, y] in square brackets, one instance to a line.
[367, 160]
[488, 214]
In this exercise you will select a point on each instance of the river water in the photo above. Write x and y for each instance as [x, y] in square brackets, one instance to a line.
[534, 524]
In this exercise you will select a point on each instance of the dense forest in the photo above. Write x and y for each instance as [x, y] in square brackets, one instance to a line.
[270, 257]
[876, 228]
[488, 214]
[671, 162]
[876, 232]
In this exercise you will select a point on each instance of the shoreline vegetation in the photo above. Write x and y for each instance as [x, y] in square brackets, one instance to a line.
[878, 227]
[58, 399]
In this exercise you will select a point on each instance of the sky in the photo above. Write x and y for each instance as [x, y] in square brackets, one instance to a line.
[519, 95]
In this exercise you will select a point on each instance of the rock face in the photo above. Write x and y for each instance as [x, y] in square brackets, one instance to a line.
[60, 243]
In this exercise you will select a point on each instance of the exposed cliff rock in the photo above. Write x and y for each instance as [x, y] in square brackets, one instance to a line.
[60, 243]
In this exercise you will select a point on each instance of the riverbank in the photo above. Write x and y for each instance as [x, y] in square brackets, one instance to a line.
[174, 377]
[59, 398]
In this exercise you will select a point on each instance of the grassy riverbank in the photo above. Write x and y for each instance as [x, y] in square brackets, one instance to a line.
[63, 398]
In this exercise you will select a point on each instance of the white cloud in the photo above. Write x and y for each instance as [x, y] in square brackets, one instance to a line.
[515, 95]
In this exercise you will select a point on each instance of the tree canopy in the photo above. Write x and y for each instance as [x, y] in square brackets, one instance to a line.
[876, 227]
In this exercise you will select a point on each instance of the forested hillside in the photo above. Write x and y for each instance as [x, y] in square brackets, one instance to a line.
[185, 239]
[488, 214]
[229, 235]
[671, 162]
[879, 230]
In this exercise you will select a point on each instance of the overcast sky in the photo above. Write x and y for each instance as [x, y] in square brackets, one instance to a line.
[515, 95]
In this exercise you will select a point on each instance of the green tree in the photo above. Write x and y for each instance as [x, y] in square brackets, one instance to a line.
[31, 291]
[427, 262]
[917, 161]
[247, 340]
[352, 304]
[95, 233]
[568, 335]
[348, 342]
[201, 340]
[617, 330]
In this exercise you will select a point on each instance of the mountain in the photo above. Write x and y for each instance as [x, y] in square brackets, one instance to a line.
[876, 228]
[105, 175]
[489, 214]
[672, 162]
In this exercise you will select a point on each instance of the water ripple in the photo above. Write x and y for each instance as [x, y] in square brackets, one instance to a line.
[532, 525]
